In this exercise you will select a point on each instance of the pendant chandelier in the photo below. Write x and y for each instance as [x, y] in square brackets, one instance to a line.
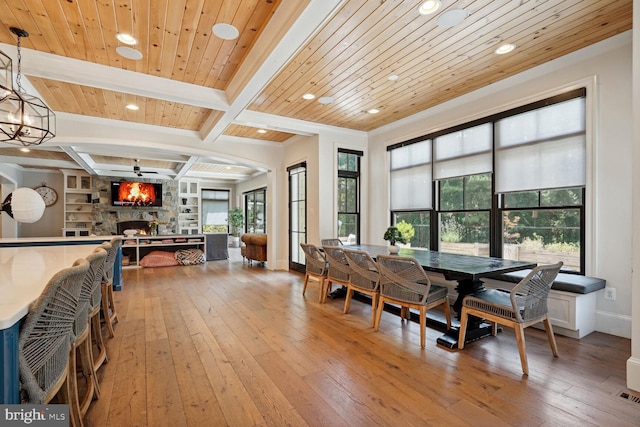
[24, 119]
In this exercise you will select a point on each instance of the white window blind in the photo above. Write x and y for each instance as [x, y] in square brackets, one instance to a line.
[410, 177]
[466, 152]
[542, 149]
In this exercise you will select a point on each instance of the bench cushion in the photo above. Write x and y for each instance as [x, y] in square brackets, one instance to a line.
[566, 282]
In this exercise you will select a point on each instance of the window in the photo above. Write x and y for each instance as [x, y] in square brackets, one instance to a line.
[411, 189]
[544, 225]
[256, 211]
[510, 185]
[215, 209]
[349, 195]
[464, 215]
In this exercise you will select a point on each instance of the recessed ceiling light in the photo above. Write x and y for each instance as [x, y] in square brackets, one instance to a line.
[373, 111]
[393, 77]
[129, 52]
[225, 31]
[505, 48]
[308, 96]
[25, 150]
[325, 100]
[452, 17]
[127, 39]
[132, 107]
[262, 131]
[429, 7]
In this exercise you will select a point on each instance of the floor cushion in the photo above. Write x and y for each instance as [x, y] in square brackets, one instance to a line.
[159, 259]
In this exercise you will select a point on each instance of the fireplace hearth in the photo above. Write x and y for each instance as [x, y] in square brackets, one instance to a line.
[141, 226]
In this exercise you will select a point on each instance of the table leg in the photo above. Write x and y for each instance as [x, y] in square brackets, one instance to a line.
[476, 327]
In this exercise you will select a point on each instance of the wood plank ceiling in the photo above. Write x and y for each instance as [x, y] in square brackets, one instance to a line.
[349, 57]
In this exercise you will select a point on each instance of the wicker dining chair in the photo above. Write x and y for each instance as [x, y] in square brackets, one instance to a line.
[316, 268]
[81, 339]
[339, 270]
[331, 242]
[44, 341]
[109, 313]
[523, 306]
[405, 283]
[95, 307]
[364, 278]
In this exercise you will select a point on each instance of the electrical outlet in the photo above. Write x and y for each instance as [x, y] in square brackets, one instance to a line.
[610, 294]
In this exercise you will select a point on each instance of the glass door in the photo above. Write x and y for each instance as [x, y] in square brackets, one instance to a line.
[297, 215]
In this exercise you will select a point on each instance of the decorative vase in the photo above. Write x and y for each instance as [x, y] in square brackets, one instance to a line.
[184, 201]
[154, 229]
[393, 249]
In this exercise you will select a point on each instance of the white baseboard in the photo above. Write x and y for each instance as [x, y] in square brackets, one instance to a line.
[613, 324]
[633, 374]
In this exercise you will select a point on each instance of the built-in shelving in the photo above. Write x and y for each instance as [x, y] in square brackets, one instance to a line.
[136, 247]
[78, 207]
[189, 207]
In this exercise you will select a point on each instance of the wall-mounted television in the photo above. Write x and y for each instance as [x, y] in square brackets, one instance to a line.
[130, 193]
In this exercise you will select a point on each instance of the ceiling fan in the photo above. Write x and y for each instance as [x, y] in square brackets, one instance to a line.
[137, 171]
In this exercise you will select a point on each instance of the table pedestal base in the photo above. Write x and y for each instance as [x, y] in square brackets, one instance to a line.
[450, 338]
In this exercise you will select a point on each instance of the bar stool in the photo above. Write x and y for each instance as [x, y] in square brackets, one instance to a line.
[81, 336]
[109, 312]
[44, 341]
[95, 307]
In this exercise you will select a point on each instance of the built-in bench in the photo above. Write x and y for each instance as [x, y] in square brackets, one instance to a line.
[572, 300]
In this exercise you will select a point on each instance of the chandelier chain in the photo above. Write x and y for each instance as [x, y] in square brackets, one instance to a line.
[19, 76]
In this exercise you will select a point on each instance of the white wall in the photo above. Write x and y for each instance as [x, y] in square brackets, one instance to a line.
[633, 363]
[608, 64]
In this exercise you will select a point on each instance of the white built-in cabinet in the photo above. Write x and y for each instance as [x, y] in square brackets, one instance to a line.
[78, 216]
[189, 207]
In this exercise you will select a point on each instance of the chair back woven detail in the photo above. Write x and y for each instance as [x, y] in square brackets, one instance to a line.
[316, 263]
[107, 275]
[331, 242]
[403, 279]
[528, 298]
[364, 270]
[45, 337]
[96, 263]
[96, 291]
[339, 269]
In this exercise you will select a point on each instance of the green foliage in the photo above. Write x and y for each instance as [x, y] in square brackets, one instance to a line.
[236, 220]
[406, 230]
[451, 231]
[214, 228]
[393, 235]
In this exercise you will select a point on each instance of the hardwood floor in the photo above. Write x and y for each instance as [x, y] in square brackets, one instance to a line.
[238, 345]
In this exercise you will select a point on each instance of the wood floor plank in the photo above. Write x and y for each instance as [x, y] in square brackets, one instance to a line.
[228, 343]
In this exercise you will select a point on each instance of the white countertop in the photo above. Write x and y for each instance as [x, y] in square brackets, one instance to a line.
[25, 271]
[23, 240]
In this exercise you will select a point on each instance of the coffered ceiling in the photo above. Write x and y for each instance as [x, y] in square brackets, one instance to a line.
[343, 51]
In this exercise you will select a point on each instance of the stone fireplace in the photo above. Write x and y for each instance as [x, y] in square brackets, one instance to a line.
[141, 226]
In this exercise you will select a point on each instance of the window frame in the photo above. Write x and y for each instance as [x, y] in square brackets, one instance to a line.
[496, 211]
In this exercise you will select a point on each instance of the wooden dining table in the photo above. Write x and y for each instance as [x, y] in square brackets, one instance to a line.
[467, 270]
[24, 273]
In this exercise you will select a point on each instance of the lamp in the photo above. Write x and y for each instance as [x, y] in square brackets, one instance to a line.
[24, 205]
[24, 119]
